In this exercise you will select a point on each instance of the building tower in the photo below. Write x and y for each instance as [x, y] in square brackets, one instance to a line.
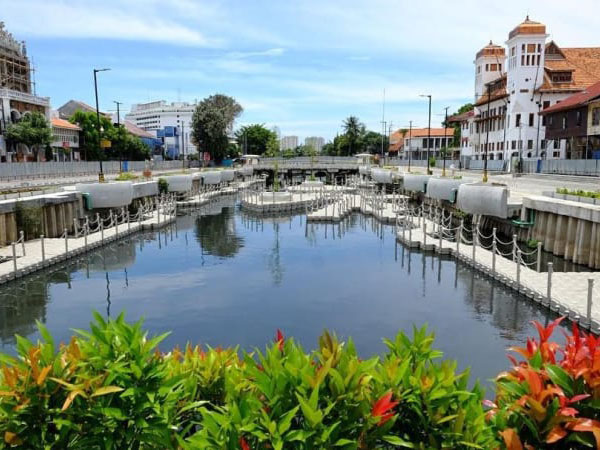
[489, 66]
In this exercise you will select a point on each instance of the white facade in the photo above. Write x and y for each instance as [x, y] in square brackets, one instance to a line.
[289, 142]
[507, 123]
[315, 142]
[157, 115]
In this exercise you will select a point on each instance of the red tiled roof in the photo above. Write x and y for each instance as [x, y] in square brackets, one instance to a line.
[528, 27]
[456, 118]
[584, 63]
[435, 132]
[576, 100]
[137, 131]
[60, 123]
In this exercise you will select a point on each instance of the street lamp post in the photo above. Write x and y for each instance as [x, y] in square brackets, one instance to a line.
[428, 131]
[101, 174]
[118, 135]
[487, 139]
[446, 141]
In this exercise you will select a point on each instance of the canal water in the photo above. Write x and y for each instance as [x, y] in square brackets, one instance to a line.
[223, 278]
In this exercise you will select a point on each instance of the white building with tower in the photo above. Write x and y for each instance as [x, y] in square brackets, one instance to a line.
[171, 122]
[513, 84]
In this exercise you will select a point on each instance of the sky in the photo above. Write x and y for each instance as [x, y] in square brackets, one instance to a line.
[300, 65]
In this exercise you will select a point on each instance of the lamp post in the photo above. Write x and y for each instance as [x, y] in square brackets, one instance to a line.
[118, 135]
[487, 139]
[101, 174]
[428, 131]
[446, 141]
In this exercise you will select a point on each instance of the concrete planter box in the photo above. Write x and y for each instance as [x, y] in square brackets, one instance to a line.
[179, 183]
[246, 171]
[108, 195]
[385, 176]
[277, 197]
[588, 200]
[364, 170]
[573, 198]
[416, 183]
[227, 175]
[444, 188]
[312, 184]
[559, 196]
[483, 199]
[212, 177]
[145, 189]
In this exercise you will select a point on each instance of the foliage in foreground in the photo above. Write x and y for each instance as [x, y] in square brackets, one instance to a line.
[112, 388]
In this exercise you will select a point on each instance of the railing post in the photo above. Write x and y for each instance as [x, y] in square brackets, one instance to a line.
[549, 285]
[440, 236]
[43, 248]
[128, 222]
[424, 235]
[66, 241]
[475, 239]
[539, 257]
[102, 230]
[76, 230]
[22, 239]
[85, 236]
[514, 249]
[14, 257]
[459, 237]
[589, 300]
[518, 269]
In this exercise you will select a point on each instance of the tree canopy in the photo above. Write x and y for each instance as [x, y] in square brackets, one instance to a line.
[355, 139]
[33, 130]
[124, 145]
[256, 139]
[212, 121]
[463, 109]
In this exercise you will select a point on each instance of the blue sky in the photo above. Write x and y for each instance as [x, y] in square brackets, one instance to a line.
[302, 65]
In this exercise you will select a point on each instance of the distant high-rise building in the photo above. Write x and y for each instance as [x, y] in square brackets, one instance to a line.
[289, 142]
[315, 142]
[167, 121]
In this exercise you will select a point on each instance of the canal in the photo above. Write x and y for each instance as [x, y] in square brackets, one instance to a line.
[223, 278]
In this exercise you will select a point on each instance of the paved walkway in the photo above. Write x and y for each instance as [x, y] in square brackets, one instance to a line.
[568, 293]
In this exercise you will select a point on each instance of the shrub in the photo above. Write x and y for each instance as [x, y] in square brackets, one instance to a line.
[111, 388]
[126, 176]
[548, 402]
[163, 186]
[432, 161]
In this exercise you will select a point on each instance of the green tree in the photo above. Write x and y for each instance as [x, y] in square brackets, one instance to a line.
[371, 142]
[353, 131]
[256, 139]
[463, 109]
[212, 121]
[89, 145]
[329, 149]
[32, 130]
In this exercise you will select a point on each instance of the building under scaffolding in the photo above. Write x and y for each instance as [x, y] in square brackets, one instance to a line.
[16, 96]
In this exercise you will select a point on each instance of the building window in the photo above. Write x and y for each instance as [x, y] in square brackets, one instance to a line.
[596, 116]
[530, 144]
[424, 143]
[543, 144]
[513, 145]
[562, 77]
[530, 119]
[522, 60]
[556, 143]
[564, 122]
[578, 118]
[518, 120]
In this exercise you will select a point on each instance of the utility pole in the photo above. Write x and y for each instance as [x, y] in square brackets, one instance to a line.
[119, 135]
[101, 174]
[446, 141]
[428, 132]
[182, 145]
[389, 135]
[487, 139]
[409, 144]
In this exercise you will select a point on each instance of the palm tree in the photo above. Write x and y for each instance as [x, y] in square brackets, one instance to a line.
[353, 129]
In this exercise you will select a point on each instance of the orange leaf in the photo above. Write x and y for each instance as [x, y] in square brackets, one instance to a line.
[71, 397]
[556, 434]
[12, 438]
[43, 374]
[511, 439]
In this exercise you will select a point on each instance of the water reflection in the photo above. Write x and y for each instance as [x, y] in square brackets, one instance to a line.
[224, 277]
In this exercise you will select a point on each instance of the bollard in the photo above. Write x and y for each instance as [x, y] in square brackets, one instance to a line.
[22, 239]
[518, 269]
[494, 256]
[539, 257]
[66, 242]
[43, 248]
[549, 286]
[589, 300]
[424, 235]
[14, 257]
[514, 249]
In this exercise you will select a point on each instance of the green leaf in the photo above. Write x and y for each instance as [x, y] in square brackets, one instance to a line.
[561, 378]
[286, 420]
[397, 441]
[106, 390]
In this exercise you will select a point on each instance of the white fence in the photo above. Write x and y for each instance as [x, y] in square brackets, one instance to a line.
[589, 167]
[33, 170]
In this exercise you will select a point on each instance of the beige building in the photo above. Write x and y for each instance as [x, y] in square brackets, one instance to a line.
[65, 144]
